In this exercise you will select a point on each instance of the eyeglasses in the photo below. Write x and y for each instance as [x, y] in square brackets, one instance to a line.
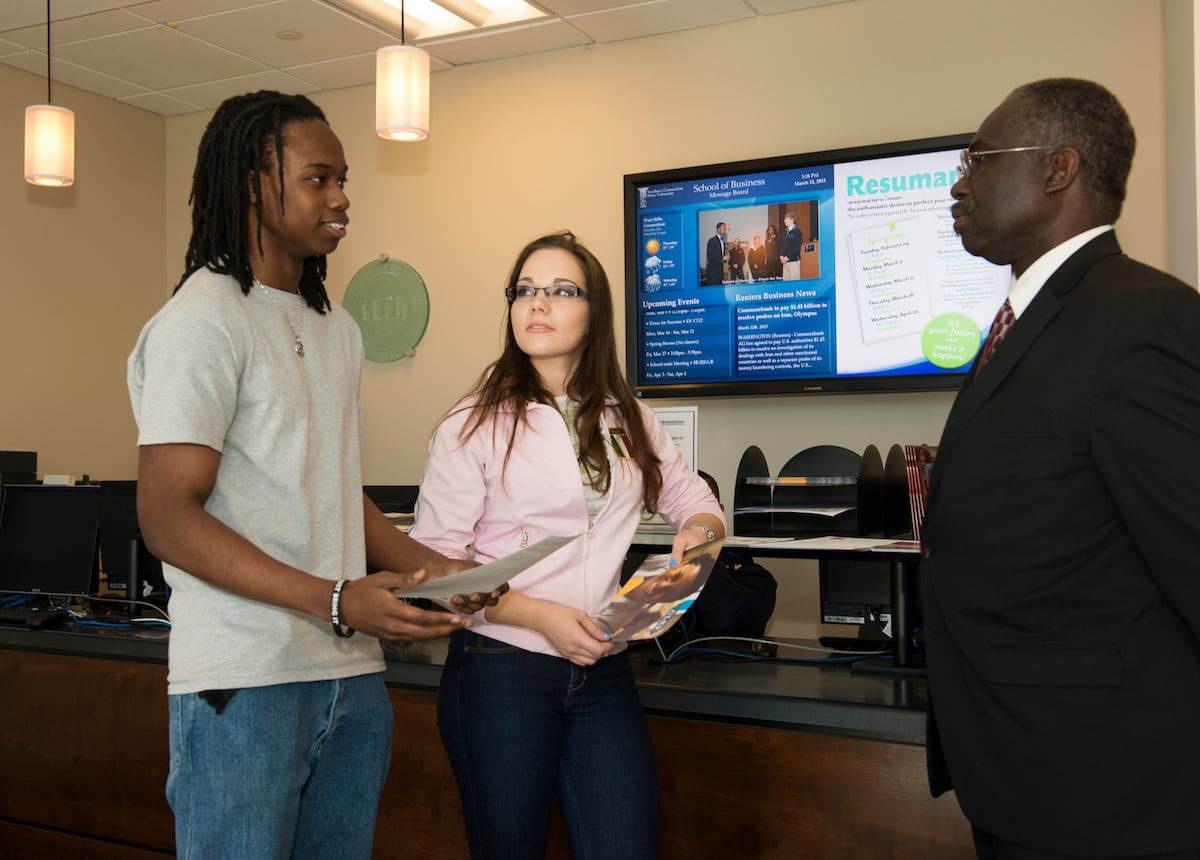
[553, 292]
[969, 159]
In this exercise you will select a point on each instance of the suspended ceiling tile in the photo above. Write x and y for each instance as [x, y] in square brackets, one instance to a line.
[76, 76]
[212, 93]
[510, 42]
[28, 13]
[665, 16]
[162, 104]
[30, 61]
[174, 11]
[326, 33]
[79, 76]
[336, 74]
[118, 47]
[78, 29]
[158, 58]
[565, 8]
[770, 7]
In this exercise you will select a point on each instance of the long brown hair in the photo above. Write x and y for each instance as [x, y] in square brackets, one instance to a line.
[511, 381]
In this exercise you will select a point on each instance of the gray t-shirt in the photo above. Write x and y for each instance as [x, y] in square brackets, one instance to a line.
[217, 368]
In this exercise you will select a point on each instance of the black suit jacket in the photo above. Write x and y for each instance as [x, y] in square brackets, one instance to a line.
[1062, 569]
[791, 244]
[714, 267]
[758, 261]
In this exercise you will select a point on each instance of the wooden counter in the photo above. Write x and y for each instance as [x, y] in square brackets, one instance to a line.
[756, 761]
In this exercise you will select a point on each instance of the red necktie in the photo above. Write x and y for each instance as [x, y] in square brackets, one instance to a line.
[1000, 326]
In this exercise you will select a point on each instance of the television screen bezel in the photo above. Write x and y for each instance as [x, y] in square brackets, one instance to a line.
[864, 383]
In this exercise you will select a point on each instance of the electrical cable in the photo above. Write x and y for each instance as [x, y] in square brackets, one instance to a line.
[689, 646]
[164, 618]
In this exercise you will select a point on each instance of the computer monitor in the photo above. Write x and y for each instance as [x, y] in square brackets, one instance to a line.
[49, 539]
[128, 566]
[393, 498]
[858, 593]
[17, 467]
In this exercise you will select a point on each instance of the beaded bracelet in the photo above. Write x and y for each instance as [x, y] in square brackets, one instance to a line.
[335, 612]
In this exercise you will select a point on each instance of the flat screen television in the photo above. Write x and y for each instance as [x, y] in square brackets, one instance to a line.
[880, 296]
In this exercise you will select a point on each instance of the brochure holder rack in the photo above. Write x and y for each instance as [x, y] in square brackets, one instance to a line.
[897, 511]
[823, 490]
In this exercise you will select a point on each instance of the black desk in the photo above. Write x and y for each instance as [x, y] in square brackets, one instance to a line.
[826, 700]
[904, 564]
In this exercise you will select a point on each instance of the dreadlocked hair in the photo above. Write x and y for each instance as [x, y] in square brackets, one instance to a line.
[244, 139]
[511, 382]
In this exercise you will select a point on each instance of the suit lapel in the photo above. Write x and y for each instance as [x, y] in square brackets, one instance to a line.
[977, 390]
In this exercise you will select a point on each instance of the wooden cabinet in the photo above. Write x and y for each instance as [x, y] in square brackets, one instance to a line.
[84, 746]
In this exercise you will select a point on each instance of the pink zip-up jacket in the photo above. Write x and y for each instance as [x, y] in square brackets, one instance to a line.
[471, 505]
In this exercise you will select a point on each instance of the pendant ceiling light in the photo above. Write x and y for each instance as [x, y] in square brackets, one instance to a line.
[49, 136]
[402, 90]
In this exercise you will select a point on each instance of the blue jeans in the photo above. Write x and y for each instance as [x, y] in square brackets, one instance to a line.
[521, 728]
[291, 770]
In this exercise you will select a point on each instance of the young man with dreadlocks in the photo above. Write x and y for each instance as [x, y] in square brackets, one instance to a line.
[245, 390]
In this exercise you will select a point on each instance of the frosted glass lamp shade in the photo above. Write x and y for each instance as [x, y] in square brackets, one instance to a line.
[49, 145]
[402, 93]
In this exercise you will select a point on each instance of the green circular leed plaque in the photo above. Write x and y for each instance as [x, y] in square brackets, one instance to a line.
[388, 300]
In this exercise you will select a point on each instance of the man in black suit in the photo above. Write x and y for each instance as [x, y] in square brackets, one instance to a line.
[789, 248]
[716, 256]
[1061, 544]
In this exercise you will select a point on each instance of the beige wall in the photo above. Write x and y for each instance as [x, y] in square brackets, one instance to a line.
[539, 143]
[82, 269]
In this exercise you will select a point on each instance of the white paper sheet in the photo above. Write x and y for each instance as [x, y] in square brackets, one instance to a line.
[853, 543]
[487, 576]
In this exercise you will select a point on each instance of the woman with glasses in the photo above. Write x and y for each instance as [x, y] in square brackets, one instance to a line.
[535, 702]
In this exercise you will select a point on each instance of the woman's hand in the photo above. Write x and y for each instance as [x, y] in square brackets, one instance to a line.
[573, 634]
[692, 533]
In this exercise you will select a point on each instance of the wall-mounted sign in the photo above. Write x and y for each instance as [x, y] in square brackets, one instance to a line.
[388, 300]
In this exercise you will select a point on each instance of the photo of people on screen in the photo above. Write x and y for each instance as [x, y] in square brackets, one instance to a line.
[784, 246]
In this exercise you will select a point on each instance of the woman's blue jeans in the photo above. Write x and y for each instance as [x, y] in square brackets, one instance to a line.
[521, 728]
[289, 770]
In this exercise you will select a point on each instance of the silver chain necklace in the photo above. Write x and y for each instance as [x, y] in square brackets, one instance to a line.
[299, 345]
